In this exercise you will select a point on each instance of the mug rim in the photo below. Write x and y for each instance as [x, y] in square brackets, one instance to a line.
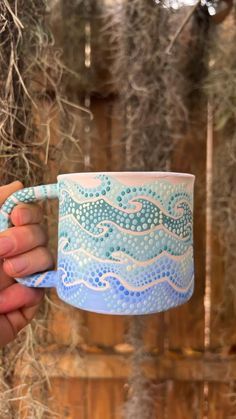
[129, 173]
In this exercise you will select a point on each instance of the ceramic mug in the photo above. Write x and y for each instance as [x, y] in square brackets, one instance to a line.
[125, 242]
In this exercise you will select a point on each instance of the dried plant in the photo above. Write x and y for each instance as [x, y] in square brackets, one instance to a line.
[141, 402]
[153, 85]
[38, 137]
[31, 73]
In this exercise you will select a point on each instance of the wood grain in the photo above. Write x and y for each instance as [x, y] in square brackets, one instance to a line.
[67, 398]
[170, 366]
[184, 400]
[222, 401]
[105, 399]
[186, 323]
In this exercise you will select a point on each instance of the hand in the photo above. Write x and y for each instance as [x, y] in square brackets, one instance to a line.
[22, 252]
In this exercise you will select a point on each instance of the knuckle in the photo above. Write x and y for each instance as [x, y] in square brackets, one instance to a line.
[19, 265]
[26, 237]
[24, 214]
[45, 255]
[35, 233]
[16, 215]
[28, 263]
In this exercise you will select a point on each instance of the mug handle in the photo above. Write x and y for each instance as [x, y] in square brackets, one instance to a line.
[26, 195]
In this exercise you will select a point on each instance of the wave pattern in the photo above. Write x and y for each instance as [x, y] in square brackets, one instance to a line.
[113, 240]
[167, 193]
[124, 248]
[96, 213]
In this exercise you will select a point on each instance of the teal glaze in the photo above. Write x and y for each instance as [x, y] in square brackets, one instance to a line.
[125, 241]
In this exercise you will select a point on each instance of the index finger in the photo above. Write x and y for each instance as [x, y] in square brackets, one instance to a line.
[24, 214]
[7, 190]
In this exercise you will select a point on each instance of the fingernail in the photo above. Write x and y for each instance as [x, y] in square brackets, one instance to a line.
[6, 245]
[17, 264]
[25, 215]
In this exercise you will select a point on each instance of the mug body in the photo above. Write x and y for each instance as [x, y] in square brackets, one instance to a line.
[125, 241]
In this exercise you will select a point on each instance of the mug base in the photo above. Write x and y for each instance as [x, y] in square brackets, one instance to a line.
[127, 313]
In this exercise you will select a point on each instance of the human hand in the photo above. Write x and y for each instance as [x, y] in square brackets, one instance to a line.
[23, 252]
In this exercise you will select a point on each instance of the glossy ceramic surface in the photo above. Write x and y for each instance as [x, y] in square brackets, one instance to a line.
[125, 242]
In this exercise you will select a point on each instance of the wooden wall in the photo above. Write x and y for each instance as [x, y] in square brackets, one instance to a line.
[87, 355]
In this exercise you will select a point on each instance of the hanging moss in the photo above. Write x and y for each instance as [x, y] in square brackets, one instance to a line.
[154, 86]
[31, 98]
[17, 132]
[81, 21]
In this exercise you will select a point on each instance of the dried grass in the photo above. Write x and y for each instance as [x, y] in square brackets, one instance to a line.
[38, 137]
[153, 86]
[143, 395]
[31, 74]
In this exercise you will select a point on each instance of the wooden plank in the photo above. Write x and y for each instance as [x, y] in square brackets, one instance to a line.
[186, 323]
[105, 330]
[67, 398]
[119, 395]
[159, 399]
[66, 323]
[154, 333]
[220, 326]
[184, 400]
[104, 399]
[101, 135]
[222, 330]
[111, 331]
[223, 314]
[146, 400]
[164, 367]
[222, 399]
[117, 143]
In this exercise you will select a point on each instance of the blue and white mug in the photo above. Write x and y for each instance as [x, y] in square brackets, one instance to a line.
[125, 242]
